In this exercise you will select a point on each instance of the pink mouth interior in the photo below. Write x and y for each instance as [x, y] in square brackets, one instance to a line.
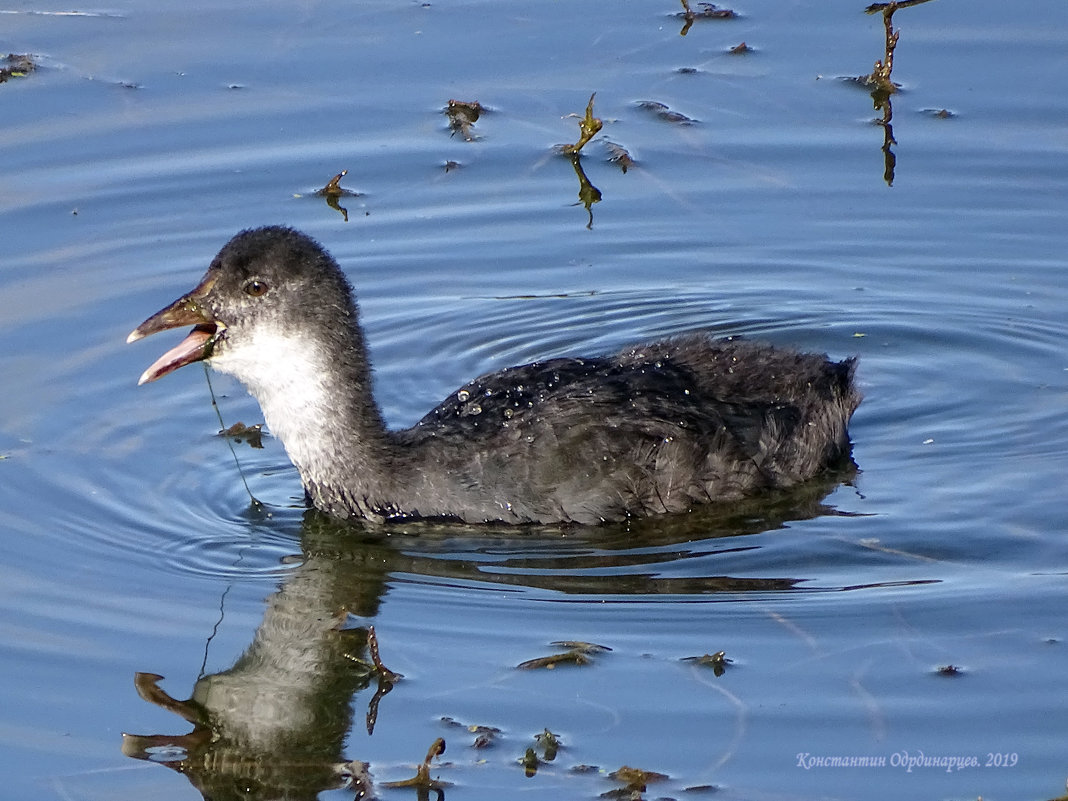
[194, 348]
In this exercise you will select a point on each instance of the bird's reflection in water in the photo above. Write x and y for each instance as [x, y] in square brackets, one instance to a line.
[274, 725]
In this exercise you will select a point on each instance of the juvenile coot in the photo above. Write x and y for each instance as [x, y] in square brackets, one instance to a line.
[655, 428]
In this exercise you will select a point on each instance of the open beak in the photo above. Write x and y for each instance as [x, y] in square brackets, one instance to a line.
[197, 346]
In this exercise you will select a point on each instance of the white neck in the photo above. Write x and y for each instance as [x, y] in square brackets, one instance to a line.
[291, 377]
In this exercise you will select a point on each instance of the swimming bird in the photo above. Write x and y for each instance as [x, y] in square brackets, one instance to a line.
[655, 428]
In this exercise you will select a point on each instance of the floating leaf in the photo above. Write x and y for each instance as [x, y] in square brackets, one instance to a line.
[578, 653]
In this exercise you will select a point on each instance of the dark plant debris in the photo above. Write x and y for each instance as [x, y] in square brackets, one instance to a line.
[882, 83]
[705, 11]
[357, 777]
[938, 113]
[717, 661]
[880, 76]
[548, 743]
[485, 736]
[950, 670]
[619, 155]
[589, 127]
[386, 677]
[584, 769]
[384, 672]
[239, 432]
[462, 116]
[664, 113]
[588, 193]
[885, 8]
[709, 11]
[577, 653]
[422, 780]
[634, 780]
[16, 65]
[333, 191]
[740, 49]
[334, 188]
[530, 762]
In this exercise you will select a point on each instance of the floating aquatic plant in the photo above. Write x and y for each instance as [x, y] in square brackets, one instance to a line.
[462, 116]
[577, 653]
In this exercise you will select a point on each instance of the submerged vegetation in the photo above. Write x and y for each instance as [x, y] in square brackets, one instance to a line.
[881, 80]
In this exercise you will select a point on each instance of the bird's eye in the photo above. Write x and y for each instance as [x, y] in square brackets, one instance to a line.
[256, 287]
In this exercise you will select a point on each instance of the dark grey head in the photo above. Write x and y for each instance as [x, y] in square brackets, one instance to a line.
[275, 311]
[267, 293]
